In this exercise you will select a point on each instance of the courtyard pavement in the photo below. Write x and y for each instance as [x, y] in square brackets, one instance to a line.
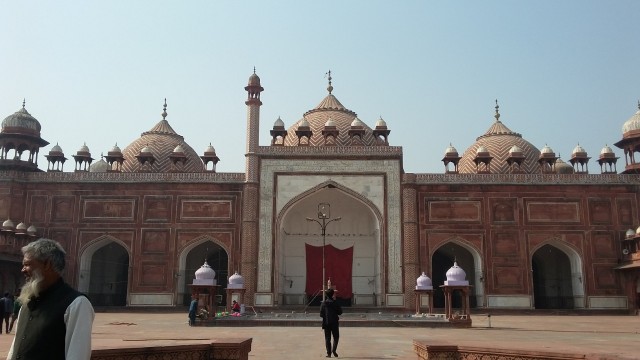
[603, 336]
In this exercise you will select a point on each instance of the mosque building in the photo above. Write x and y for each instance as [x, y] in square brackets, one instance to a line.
[328, 201]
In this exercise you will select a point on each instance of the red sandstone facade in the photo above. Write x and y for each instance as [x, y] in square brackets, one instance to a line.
[135, 233]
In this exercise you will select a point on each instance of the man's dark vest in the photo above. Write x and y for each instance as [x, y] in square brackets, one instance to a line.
[41, 329]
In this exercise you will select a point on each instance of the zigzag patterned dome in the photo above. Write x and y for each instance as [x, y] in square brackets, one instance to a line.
[161, 140]
[499, 140]
[342, 118]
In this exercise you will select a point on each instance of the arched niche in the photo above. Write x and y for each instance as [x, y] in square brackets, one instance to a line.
[104, 271]
[192, 257]
[557, 278]
[359, 227]
[469, 259]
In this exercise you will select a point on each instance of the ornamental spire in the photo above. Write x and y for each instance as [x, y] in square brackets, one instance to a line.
[497, 115]
[329, 88]
[164, 110]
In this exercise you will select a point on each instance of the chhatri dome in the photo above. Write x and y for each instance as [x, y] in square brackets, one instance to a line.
[342, 118]
[498, 141]
[21, 122]
[160, 141]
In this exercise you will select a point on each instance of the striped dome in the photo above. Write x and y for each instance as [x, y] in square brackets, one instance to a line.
[499, 141]
[329, 108]
[160, 140]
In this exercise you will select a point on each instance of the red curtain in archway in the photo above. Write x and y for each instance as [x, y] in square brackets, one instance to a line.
[338, 266]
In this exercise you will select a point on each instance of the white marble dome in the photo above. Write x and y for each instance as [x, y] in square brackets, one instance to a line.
[278, 123]
[303, 123]
[330, 122]
[236, 281]
[562, 167]
[546, 150]
[629, 234]
[633, 124]
[456, 276]
[606, 150]
[451, 150]
[381, 123]
[205, 275]
[99, 166]
[423, 282]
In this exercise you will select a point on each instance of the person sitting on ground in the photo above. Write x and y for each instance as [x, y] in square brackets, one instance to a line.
[235, 307]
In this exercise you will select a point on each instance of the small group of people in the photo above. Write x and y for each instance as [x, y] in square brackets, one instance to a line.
[193, 310]
[9, 308]
[54, 321]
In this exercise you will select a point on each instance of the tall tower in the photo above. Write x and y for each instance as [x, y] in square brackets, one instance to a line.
[253, 126]
[250, 205]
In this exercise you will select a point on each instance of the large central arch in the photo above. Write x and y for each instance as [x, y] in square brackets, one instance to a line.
[359, 228]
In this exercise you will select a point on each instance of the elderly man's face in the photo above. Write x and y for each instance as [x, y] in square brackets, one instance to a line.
[32, 270]
[31, 267]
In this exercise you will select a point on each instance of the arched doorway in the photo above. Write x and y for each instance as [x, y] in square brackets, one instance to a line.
[216, 256]
[443, 259]
[355, 239]
[109, 274]
[552, 279]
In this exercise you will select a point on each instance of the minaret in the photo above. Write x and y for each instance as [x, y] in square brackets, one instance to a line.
[253, 126]
[251, 195]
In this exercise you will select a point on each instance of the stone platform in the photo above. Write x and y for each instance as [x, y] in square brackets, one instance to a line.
[348, 319]
[590, 336]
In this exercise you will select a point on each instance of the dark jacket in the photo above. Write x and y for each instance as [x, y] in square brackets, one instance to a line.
[43, 336]
[329, 311]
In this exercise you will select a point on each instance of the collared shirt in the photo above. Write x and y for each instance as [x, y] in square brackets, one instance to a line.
[78, 319]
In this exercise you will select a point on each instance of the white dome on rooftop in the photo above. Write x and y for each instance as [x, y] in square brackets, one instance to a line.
[606, 150]
[381, 123]
[546, 150]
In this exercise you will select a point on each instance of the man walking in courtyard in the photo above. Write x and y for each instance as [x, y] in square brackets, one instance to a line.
[330, 311]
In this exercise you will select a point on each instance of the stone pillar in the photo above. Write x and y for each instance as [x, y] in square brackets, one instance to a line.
[411, 261]
[249, 241]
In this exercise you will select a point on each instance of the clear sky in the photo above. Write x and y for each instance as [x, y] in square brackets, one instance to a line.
[564, 72]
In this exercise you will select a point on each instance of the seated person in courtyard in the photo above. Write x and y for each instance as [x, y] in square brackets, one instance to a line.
[235, 307]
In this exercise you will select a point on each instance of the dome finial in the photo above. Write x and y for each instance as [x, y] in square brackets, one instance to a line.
[497, 115]
[164, 110]
[329, 88]
[24, 102]
[638, 104]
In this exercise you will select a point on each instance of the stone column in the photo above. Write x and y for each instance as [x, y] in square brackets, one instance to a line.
[411, 261]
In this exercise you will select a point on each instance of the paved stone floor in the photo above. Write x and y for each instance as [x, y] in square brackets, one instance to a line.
[608, 337]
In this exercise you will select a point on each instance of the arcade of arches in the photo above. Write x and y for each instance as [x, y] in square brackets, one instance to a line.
[529, 230]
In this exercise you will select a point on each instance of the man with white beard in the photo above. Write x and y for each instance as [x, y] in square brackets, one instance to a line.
[55, 320]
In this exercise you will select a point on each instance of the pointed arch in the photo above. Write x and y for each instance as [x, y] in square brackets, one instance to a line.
[184, 276]
[361, 229]
[575, 266]
[475, 274]
[118, 275]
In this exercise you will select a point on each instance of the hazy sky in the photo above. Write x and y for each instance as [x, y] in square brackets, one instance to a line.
[564, 72]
